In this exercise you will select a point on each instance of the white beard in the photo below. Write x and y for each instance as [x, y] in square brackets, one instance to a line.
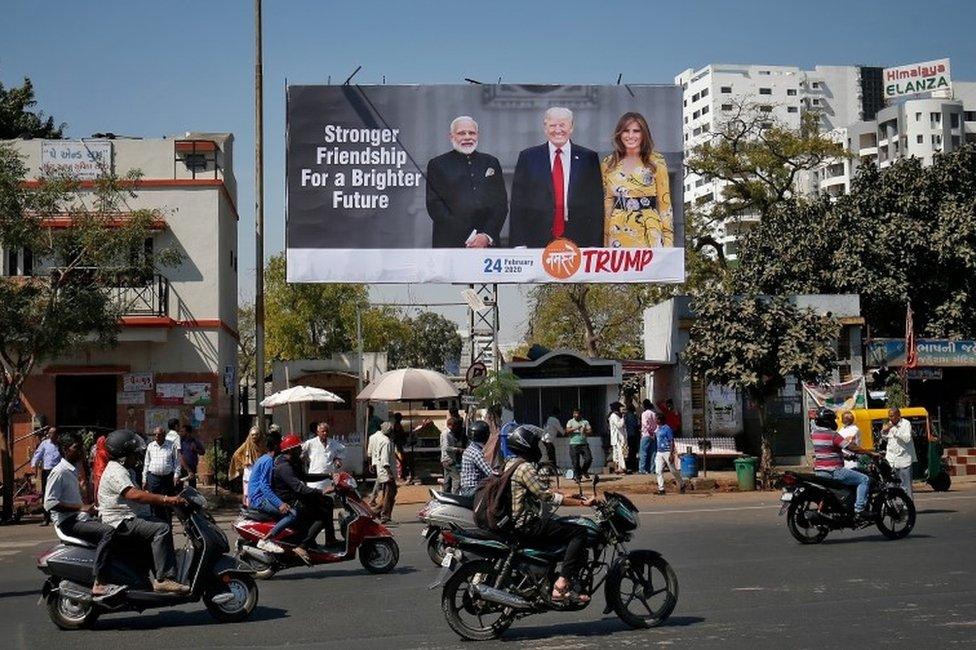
[466, 150]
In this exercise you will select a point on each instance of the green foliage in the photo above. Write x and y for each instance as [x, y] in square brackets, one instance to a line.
[245, 343]
[16, 118]
[219, 462]
[431, 341]
[906, 233]
[895, 395]
[496, 392]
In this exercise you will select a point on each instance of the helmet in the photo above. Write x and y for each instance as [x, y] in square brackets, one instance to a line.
[478, 431]
[826, 418]
[524, 442]
[123, 442]
[290, 442]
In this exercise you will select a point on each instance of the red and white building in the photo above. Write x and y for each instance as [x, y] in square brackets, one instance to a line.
[177, 351]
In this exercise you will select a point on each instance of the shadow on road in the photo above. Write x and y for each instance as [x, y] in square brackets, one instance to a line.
[603, 627]
[173, 618]
[873, 538]
[935, 511]
[17, 594]
[323, 570]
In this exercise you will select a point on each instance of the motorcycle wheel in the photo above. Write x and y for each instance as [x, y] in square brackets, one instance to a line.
[489, 620]
[436, 549]
[897, 516]
[70, 614]
[379, 555]
[245, 592]
[800, 527]
[643, 589]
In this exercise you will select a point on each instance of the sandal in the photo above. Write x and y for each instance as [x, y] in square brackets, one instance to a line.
[567, 595]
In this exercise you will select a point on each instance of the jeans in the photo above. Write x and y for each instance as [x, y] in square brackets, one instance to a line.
[582, 457]
[648, 447]
[452, 477]
[93, 531]
[904, 474]
[160, 484]
[158, 535]
[851, 477]
[287, 520]
[661, 459]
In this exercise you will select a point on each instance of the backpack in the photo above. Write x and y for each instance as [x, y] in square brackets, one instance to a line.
[493, 501]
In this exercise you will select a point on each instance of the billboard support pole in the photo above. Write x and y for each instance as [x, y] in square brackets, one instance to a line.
[258, 218]
[482, 324]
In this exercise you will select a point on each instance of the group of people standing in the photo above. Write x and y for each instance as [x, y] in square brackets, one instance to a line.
[559, 189]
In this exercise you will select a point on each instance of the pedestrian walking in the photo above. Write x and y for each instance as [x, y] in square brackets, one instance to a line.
[384, 459]
[46, 457]
[578, 428]
[190, 451]
[665, 454]
[648, 444]
[900, 452]
[632, 425]
[618, 437]
[161, 467]
[451, 457]
[375, 439]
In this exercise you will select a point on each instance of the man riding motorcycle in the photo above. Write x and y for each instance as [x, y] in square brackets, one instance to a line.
[117, 493]
[474, 465]
[314, 506]
[533, 518]
[828, 451]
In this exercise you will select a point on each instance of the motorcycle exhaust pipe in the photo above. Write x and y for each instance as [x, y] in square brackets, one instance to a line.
[501, 597]
[257, 554]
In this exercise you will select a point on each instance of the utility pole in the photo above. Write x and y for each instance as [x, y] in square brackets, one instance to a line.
[258, 217]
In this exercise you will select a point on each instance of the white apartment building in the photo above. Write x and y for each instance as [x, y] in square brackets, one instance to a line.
[177, 352]
[840, 94]
[919, 128]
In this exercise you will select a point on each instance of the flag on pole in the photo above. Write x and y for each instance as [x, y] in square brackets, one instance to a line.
[911, 351]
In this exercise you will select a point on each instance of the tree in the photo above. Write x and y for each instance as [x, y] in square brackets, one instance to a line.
[495, 394]
[68, 304]
[754, 342]
[905, 233]
[431, 341]
[602, 320]
[18, 121]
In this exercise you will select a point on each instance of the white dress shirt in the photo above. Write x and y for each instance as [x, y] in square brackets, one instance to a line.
[901, 449]
[553, 429]
[566, 157]
[162, 459]
[321, 458]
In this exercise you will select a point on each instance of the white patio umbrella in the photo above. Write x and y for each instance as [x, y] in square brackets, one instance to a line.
[297, 394]
[408, 384]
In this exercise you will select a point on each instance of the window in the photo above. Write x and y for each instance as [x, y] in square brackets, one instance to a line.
[918, 117]
[765, 91]
[791, 92]
[920, 139]
[686, 119]
[694, 98]
[953, 120]
[705, 128]
[12, 263]
[766, 108]
[685, 103]
[792, 109]
[704, 93]
[815, 85]
[704, 110]
[726, 107]
[936, 118]
[726, 90]
[816, 101]
[956, 141]
[969, 116]
[764, 73]
[696, 115]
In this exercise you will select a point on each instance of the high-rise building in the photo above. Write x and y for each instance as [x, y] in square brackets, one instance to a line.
[840, 95]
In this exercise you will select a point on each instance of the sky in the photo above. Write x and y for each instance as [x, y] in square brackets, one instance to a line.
[151, 69]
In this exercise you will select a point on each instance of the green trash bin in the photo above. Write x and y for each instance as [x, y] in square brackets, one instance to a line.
[745, 472]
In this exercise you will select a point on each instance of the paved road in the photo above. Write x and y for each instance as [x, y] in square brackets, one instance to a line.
[743, 583]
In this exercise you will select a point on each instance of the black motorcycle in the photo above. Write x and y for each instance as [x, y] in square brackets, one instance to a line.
[815, 505]
[225, 585]
[507, 581]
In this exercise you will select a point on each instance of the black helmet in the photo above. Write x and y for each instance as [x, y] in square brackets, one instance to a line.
[479, 431]
[122, 442]
[826, 418]
[524, 442]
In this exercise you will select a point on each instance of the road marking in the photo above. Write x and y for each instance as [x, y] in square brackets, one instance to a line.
[777, 505]
[5, 545]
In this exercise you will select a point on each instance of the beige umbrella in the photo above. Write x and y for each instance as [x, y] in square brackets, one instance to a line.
[409, 384]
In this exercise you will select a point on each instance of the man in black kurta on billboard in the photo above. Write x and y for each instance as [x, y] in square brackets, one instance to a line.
[466, 197]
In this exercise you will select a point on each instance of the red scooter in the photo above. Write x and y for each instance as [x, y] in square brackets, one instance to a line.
[359, 527]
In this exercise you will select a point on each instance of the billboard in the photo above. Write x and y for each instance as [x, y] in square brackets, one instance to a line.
[916, 78]
[484, 183]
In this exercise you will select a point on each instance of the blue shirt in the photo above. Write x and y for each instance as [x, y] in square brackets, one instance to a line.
[259, 487]
[47, 452]
[665, 438]
[507, 428]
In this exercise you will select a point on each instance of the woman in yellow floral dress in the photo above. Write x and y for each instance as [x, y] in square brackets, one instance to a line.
[635, 186]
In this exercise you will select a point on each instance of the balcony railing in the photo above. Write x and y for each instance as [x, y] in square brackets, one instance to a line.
[144, 299]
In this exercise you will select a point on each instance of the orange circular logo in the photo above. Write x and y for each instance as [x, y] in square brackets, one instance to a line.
[561, 258]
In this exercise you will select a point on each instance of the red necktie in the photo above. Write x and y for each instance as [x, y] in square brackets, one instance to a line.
[559, 213]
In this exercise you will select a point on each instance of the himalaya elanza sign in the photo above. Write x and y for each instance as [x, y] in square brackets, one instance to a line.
[916, 78]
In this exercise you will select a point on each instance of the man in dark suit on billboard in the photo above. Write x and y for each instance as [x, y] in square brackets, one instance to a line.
[466, 197]
[557, 190]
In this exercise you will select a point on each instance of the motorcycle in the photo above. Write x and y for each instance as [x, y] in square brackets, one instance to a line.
[225, 585]
[364, 536]
[815, 505]
[507, 581]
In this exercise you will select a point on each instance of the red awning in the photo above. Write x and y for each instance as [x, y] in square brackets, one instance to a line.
[638, 366]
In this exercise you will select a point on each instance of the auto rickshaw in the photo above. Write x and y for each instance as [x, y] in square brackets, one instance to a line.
[928, 444]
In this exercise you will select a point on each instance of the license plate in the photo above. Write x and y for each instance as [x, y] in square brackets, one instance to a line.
[787, 496]
[424, 532]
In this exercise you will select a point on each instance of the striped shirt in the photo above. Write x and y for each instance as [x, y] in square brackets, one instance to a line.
[827, 448]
